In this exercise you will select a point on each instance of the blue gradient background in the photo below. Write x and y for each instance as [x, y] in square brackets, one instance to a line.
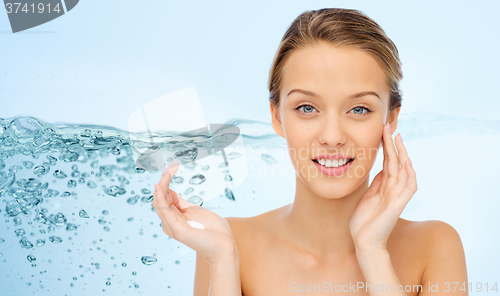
[105, 59]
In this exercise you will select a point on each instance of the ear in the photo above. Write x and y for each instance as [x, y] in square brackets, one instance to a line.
[276, 120]
[393, 119]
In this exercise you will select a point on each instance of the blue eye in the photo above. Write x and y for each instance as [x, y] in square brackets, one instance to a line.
[360, 109]
[306, 108]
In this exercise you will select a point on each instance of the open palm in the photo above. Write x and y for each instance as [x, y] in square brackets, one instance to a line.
[214, 242]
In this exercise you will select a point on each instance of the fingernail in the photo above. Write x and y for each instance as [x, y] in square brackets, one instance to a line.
[401, 137]
[389, 127]
[410, 162]
[165, 172]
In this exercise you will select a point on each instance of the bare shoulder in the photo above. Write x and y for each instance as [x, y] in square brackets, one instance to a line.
[437, 242]
[247, 229]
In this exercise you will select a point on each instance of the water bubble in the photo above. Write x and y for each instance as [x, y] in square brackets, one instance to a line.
[102, 221]
[71, 184]
[1, 240]
[108, 283]
[189, 190]
[51, 193]
[59, 174]
[223, 165]
[228, 178]
[188, 154]
[229, 194]
[124, 264]
[114, 190]
[68, 156]
[134, 273]
[268, 158]
[148, 260]
[51, 229]
[31, 258]
[197, 179]
[59, 219]
[106, 228]
[91, 184]
[147, 199]
[28, 164]
[233, 155]
[195, 199]
[25, 243]
[177, 179]
[140, 170]
[40, 242]
[133, 200]
[52, 159]
[20, 232]
[2, 164]
[83, 214]
[205, 168]
[81, 181]
[75, 174]
[95, 164]
[70, 226]
[74, 167]
[41, 170]
[55, 239]
[65, 194]
[177, 262]
[14, 168]
[24, 128]
[17, 221]
[145, 191]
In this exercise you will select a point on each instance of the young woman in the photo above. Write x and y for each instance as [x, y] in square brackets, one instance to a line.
[334, 97]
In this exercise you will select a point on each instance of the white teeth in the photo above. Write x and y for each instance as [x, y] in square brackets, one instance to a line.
[332, 163]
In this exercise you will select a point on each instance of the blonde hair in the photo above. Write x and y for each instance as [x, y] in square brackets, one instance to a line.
[340, 27]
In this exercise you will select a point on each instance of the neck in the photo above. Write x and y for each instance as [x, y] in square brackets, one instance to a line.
[320, 225]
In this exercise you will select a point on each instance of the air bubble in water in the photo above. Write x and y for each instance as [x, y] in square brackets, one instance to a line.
[83, 214]
[145, 191]
[133, 200]
[188, 154]
[25, 243]
[59, 174]
[268, 158]
[40, 170]
[233, 155]
[195, 199]
[205, 168]
[69, 156]
[197, 179]
[229, 194]
[71, 226]
[177, 179]
[148, 260]
[28, 164]
[114, 190]
[20, 232]
[71, 184]
[40, 242]
[55, 239]
[31, 258]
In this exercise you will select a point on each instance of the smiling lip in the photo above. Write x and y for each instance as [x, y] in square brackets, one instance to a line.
[333, 156]
[333, 171]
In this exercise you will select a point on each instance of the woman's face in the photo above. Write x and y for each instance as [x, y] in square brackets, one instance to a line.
[333, 100]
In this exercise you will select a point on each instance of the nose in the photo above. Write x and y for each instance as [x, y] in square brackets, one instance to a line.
[332, 133]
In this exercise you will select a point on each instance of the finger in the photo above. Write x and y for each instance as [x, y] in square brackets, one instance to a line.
[166, 179]
[174, 218]
[402, 153]
[392, 159]
[411, 185]
[162, 209]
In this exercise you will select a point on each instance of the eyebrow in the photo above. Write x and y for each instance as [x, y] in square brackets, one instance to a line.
[310, 93]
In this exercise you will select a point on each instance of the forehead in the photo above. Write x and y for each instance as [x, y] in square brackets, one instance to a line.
[333, 71]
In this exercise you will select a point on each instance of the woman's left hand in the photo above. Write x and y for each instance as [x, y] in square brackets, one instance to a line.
[382, 204]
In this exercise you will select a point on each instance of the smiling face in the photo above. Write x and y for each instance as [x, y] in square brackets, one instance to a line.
[333, 100]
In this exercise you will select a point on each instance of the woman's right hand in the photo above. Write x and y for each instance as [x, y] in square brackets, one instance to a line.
[215, 242]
